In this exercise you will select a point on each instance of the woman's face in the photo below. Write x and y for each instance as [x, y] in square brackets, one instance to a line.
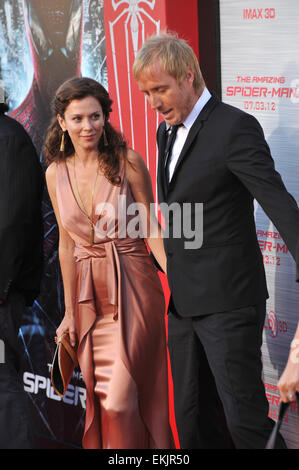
[84, 120]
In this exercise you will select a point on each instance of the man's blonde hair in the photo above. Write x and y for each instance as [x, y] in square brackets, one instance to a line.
[173, 54]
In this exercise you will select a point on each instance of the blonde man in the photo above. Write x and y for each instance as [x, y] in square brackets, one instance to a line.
[218, 290]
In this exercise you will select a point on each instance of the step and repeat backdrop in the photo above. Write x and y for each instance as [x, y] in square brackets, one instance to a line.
[260, 74]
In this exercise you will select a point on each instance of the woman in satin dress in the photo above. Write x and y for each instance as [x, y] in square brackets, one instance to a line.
[114, 303]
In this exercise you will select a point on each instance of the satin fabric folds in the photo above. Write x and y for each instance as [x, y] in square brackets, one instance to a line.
[120, 327]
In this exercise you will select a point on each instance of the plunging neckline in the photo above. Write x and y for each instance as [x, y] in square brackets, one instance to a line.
[73, 193]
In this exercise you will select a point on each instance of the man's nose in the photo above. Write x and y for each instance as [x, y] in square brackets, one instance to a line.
[155, 102]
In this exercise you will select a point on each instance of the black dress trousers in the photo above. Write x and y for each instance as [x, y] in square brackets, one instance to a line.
[219, 395]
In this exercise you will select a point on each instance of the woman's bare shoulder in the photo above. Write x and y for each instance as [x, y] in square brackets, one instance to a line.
[51, 175]
[51, 170]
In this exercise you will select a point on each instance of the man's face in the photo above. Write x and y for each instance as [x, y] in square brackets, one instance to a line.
[173, 101]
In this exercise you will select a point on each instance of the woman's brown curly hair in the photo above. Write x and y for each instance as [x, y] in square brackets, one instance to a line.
[75, 89]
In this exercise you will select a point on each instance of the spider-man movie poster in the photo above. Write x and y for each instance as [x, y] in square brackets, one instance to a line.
[43, 43]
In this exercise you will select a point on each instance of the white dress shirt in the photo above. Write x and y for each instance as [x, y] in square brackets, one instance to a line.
[183, 131]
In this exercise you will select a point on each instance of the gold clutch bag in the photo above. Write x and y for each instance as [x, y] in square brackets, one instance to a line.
[63, 365]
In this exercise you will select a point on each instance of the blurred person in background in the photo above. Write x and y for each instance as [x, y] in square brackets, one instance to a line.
[21, 261]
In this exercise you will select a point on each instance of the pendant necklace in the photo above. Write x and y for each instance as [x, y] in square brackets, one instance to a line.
[83, 209]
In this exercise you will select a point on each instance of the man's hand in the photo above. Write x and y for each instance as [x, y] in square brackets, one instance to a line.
[1, 302]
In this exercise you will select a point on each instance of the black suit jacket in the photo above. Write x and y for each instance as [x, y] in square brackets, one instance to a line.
[224, 164]
[21, 233]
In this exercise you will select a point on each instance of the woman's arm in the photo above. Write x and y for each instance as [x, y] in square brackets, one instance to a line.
[141, 187]
[67, 262]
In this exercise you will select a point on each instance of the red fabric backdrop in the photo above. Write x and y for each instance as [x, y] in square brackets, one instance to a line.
[127, 24]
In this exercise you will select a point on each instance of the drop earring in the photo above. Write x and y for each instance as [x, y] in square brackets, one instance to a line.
[105, 138]
[62, 146]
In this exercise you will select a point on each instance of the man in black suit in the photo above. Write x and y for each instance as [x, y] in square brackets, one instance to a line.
[21, 238]
[218, 290]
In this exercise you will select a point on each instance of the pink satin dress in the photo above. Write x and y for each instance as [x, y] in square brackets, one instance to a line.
[119, 323]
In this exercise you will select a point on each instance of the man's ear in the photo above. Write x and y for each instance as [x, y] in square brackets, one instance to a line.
[190, 76]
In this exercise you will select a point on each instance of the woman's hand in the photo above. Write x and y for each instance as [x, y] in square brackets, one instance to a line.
[67, 326]
[288, 383]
